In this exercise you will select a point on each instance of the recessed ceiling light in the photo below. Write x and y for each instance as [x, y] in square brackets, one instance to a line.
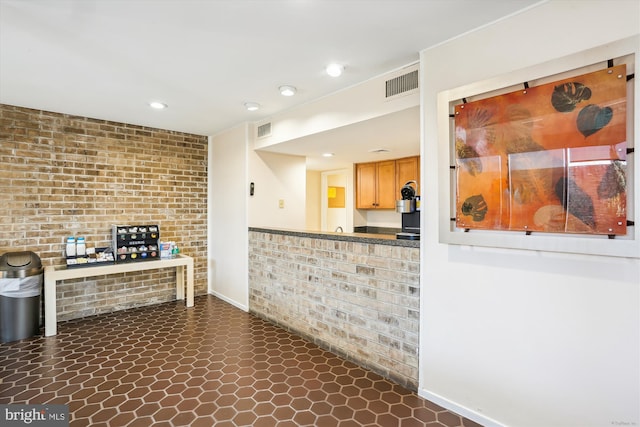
[287, 90]
[335, 70]
[158, 105]
[328, 154]
[380, 150]
[251, 106]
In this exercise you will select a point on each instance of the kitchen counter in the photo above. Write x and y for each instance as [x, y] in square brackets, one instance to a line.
[357, 295]
[379, 239]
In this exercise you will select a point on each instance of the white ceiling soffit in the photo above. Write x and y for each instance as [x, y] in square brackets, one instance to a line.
[204, 59]
[398, 134]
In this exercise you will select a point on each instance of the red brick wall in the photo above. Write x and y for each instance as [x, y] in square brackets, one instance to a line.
[63, 175]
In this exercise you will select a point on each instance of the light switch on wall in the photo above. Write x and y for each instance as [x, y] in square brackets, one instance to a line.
[281, 203]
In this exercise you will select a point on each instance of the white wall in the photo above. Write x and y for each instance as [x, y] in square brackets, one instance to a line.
[313, 201]
[277, 177]
[515, 337]
[227, 210]
[233, 165]
[383, 218]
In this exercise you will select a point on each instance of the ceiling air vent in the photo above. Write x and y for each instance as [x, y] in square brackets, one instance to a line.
[401, 84]
[264, 130]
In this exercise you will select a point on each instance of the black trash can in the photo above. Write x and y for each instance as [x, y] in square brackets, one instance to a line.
[21, 278]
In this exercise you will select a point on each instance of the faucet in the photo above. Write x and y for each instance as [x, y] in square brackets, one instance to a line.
[339, 229]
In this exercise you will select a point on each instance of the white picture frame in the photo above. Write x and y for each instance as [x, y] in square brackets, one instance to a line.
[628, 246]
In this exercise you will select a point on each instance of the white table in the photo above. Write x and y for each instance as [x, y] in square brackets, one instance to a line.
[53, 274]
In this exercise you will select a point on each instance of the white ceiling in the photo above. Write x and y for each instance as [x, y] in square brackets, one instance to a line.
[399, 133]
[107, 59]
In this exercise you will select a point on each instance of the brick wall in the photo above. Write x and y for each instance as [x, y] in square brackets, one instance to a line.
[359, 300]
[63, 175]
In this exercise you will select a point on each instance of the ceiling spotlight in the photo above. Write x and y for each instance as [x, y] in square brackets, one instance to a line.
[328, 154]
[251, 106]
[335, 70]
[158, 105]
[287, 90]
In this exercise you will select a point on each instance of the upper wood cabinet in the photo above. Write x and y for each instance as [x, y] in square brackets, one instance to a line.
[408, 169]
[378, 183]
[374, 185]
[366, 190]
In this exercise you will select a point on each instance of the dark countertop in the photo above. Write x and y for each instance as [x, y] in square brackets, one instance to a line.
[379, 239]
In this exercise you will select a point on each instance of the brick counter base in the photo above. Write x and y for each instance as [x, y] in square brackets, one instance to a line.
[358, 300]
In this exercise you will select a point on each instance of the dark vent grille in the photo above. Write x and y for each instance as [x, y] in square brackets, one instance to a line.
[402, 84]
[264, 130]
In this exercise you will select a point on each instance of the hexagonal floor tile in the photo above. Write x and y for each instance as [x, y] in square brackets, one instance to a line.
[165, 365]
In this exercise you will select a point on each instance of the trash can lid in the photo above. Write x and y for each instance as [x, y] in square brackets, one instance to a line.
[20, 264]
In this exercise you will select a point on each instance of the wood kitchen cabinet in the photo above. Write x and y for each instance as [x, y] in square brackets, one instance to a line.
[407, 169]
[378, 183]
[374, 185]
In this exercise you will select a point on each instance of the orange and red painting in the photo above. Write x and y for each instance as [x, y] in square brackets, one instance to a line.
[550, 158]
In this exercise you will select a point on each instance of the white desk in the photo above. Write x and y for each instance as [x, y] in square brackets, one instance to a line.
[53, 274]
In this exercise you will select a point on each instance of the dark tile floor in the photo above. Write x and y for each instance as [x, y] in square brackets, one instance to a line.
[166, 365]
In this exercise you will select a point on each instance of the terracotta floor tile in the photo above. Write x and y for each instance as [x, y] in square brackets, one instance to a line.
[212, 365]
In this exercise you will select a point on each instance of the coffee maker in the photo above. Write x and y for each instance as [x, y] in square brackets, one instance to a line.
[409, 207]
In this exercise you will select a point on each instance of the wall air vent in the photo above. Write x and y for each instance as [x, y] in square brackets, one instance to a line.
[401, 84]
[264, 130]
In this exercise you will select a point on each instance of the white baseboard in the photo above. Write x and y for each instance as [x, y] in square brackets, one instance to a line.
[230, 301]
[459, 409]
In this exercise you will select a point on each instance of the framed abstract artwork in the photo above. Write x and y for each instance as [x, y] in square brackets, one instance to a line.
[543, 158]
[549, 158]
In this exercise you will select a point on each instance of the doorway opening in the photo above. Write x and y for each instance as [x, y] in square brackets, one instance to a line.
[336, 207]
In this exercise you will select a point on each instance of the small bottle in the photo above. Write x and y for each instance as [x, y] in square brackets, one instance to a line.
[174, 249]
[71, 247]
[81, 249]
